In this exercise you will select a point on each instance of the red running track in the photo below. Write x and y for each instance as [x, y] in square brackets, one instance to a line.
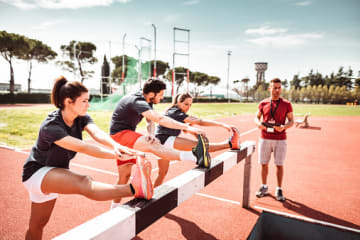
[321, 181]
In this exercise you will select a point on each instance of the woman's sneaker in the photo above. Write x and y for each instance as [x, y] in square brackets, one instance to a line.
[262, 191]
[141, 181]
[234, 140]
[201, 152]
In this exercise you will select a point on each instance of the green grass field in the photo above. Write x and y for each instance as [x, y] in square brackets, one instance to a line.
[19, 126]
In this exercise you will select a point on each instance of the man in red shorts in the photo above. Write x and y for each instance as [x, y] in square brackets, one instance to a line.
[129, 112]
[274, 111]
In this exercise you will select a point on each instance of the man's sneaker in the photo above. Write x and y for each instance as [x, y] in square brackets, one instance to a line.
[234, 140]
[141, 181]
[201, 152]
[279, 195]
[262, 192]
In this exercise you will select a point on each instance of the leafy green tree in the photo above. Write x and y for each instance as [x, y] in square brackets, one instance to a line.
[12, 46]
[294, 94]
[325, 94]
[180, 76]
[285, 84]
[105, 77]
[261, 93]
[343, 78]
[296, 82]
[130, 73]
[161, 67]
[82, 53]
[39, 52]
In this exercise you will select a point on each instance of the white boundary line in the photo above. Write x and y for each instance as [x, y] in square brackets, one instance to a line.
[218, 198]
[308, 219]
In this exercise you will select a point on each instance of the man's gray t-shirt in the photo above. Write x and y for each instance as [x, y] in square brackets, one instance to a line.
[162, 133]
[45, 152]
[128, 112]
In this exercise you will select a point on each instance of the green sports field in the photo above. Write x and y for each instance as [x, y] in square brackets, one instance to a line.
[19, 126]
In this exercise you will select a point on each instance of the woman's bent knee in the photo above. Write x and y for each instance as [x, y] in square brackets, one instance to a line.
[85, 187]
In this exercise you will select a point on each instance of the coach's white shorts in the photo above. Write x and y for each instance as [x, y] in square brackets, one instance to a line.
[33, 185]
[267, 146]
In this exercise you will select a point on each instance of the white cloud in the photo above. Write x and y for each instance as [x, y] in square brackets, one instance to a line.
[60, 4]
[47, 24]
[265, 31]
[286, 40]
[191, 2]
[303, 4]
[170, 18]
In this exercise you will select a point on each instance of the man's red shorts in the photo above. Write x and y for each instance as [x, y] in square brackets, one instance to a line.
[126, 138]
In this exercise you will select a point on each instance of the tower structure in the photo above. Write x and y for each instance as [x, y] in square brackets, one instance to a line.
[260, 68]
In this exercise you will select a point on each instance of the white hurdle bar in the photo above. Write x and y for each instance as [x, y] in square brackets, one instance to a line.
[128, 220]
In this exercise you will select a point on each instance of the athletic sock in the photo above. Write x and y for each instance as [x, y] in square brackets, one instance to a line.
[264, 185]
[114, 205]
[278, 188]
[187, 156]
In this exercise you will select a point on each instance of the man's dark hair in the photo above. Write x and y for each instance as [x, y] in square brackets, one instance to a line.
[275, 80]
[154, 85]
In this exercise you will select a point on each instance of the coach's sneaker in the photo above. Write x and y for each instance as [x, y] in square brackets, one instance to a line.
[201, 152]
[234, 140]
[141, 181]
[262, 191]
[279, 195]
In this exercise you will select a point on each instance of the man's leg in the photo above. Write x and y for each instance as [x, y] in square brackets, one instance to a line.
[279, 156]
[124, 173]
[264, 173]
[279, 175]
[163, 169]
[264, 154]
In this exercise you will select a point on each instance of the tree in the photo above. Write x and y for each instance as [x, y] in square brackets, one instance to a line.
[39, 52]
[105, 77]
[12, 46]
[285, 84]
[81, 53]
[130, 71]
[344, 78]
[161, 67]
[296, 82]
[294, 94]
[180, 76]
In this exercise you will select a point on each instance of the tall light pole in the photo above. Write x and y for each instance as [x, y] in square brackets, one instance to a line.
[153, 25]
[139, 65]
[123, 60]
[228, 73]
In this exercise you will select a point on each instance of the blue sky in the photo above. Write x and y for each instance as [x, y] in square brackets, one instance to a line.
[293, 36]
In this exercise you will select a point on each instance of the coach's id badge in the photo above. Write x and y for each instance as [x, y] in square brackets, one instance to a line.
[270, 130]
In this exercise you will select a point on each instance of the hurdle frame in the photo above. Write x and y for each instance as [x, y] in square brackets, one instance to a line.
[129, 219]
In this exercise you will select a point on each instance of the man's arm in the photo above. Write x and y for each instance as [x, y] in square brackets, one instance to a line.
[169, 123]
[289, 124]
[150, 127]
[204, 122]
[257, 120]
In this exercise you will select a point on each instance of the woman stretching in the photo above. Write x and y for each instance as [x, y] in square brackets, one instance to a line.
[46, 171]
[170, 137]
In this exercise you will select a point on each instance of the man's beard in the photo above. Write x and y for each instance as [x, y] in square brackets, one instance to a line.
[152, 100]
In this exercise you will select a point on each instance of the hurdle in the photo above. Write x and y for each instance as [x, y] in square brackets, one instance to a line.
[129, 219]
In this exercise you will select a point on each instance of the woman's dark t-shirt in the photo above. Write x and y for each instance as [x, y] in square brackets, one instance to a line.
[45, 152]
